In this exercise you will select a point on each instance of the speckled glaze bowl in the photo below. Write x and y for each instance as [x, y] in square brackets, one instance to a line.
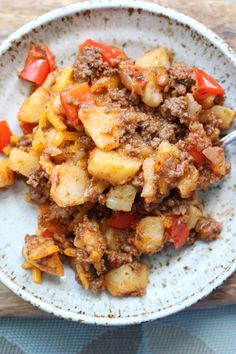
[177, 279]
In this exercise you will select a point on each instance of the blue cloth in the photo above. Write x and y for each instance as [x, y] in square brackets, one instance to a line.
[189, 332]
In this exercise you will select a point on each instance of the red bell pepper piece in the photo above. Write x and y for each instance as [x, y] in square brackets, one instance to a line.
[36, 72]
[198, 156]
[47, 233]
[122, 220]
[35, 52]
[39, 63]
[179, 232]
[27, 128]
[81, 94]
[5, 135]
[109, 54]
[50, 58]
[206, 86]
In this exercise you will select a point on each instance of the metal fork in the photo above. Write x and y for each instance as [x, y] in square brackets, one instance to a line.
[228, 139]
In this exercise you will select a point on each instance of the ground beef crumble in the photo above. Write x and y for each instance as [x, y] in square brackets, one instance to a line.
[208, 228]
[181, 79]
[39, 186]
[89, 65]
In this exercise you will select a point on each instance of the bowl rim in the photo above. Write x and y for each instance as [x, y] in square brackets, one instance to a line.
[211, 37]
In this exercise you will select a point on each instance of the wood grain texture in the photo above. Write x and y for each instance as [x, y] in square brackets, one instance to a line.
[219, 15]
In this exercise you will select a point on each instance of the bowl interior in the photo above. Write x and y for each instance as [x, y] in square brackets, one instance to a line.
[177, 278]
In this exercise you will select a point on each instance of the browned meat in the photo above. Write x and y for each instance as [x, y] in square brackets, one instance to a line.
[39, 186]
[95, 281]
[62, 242]
[197, 136]
[123, 97]
[89, 65]
[24, 143]
[208, 228]
[175, 108]
[116, 259]
[56, 219]
[138, 181]
[181, 79]
[149, 131]
[88, 237]
[207, 177]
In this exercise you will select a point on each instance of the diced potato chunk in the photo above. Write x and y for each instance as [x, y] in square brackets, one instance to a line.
[194, 108]
[127, 280]
[149, 187]
[121, 197]
[104, 83]
[166, 148]
[34, 106]
[224, 114]
[149, 237]
[188, 183]
[22, 162]
[102, 126]
[112, 166]
[152, 95]
[68, 184]
[113, 237]
[216, 159]
[157, 57]
[6, 174]
[194, 215]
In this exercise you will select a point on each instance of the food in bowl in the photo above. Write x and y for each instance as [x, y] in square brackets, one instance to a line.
[115, 152]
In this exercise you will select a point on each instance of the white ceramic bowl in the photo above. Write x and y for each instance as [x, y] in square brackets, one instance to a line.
[178, 279]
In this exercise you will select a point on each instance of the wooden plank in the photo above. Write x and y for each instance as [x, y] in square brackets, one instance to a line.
[216, 14]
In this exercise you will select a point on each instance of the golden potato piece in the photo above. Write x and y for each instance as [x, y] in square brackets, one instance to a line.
[112, 166]
[224, 114]
[154, 58]
[68, 184]
[22, 162]
[152, 95]
[34, 106]
[216, 159]
[188, 183]
[194, 108]
[149, 186]
[149, 236]
[127, 280]
[121, 197]
[166, 148]
[102, 126]
[6, 174]
[113, 238]
[104, 83]
[194, 215]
